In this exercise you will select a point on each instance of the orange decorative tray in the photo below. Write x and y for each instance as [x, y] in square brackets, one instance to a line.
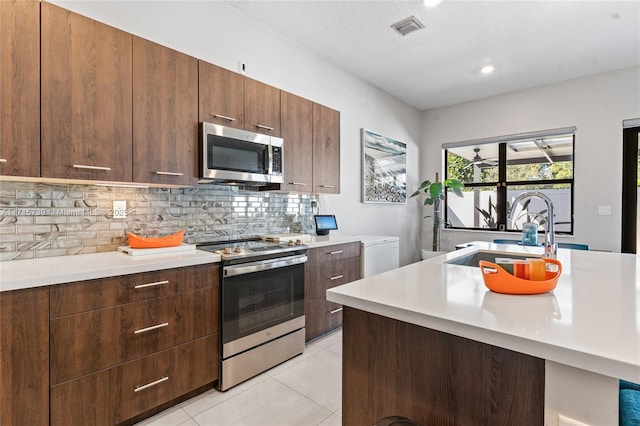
[136, 241]
[498, 280]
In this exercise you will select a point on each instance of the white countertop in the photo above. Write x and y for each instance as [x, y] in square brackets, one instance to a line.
[21, 274]
[591, 320]
[327, 240]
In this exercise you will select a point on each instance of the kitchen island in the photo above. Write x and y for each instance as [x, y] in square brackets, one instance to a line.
[432, 331]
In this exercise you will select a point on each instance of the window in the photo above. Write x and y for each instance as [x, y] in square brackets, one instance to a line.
[495, 171]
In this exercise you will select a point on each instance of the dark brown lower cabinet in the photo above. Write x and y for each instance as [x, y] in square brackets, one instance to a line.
[394, 368]
[112, 396]
[24, 357]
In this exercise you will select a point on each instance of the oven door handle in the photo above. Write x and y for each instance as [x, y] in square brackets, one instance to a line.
[263, 265]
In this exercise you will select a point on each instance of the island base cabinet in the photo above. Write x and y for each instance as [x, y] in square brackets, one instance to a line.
[392, 368]
[112, 396]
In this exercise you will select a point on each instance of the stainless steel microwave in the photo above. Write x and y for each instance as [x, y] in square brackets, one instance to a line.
[234, 155]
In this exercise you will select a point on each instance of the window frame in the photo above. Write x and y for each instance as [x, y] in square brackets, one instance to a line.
[502, 184]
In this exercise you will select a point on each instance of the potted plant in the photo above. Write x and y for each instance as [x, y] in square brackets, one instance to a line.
[435, 193]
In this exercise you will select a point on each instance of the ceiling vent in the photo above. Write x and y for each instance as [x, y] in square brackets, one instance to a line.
[407, 25]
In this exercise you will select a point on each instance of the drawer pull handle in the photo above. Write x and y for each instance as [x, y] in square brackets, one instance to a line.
[335, 311]
[82, 166]
[337, 252]
[3, 160]
[223, 117]
[298, 183]
[337, 277]
[170, 173]
[327, 186]
[148, 385]
[153, 327]
[263, 127]
[151, 284]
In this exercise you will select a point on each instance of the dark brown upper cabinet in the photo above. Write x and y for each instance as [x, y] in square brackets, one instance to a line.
[326, 150]
[165, 114]
[86, 98]
[261, 108]
[221, 94]
[20, 88]
[297, 132]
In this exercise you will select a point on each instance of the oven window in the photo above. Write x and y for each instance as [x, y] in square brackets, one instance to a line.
[236, 155]
[256, 301]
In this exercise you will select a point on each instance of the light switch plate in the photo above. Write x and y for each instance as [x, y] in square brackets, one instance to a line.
[604, 210]
[119, 209]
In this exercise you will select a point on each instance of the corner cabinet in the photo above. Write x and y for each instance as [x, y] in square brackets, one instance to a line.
[326, 150]
[85, 63]
[24, 357]
[327, 267]
[123, 347]
[20, 88]
[165, 114]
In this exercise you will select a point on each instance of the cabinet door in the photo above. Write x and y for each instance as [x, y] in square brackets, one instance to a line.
[165, 114]
[297, 132]
[221, 94]
[24, 357]
[262, 108]
[326, 150]
[86, 98]
[20, 88]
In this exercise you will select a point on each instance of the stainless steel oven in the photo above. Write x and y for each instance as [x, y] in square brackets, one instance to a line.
[261, 309]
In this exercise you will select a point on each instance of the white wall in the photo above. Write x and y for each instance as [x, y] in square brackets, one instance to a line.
[215, 32]
[595, 105]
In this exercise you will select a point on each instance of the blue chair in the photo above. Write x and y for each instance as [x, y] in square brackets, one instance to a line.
[629, 404]
[572, 246]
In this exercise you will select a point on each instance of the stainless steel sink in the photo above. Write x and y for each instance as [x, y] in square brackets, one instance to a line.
[489, 256]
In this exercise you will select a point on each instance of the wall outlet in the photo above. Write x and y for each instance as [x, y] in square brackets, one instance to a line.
[567, 421]
[119, 209]
[242, 67]
[604, 210]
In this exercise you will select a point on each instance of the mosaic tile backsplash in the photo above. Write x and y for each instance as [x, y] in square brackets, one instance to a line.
[42, 220]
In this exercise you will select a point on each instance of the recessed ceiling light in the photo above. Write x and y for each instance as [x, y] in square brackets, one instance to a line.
[487, 69]
[431, 3]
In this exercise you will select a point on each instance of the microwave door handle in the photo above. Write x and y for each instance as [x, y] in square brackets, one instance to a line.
[270, 160]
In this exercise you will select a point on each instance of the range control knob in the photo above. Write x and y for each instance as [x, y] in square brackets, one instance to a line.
[298, 242]
[290, 243]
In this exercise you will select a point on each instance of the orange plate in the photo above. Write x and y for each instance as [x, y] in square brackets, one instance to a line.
[498, 280]
[136, 241]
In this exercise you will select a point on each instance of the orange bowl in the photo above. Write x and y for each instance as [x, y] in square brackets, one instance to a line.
[498, 280]
[136, 241]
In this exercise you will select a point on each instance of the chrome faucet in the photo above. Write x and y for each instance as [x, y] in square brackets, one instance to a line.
[550, 246]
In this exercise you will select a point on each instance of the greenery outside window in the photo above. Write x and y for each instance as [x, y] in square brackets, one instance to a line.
[495, 171]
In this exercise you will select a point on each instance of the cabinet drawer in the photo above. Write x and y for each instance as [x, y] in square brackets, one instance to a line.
[110, 397]
[321, 316]
[334, 252]
[87, 342]
[330, 274]
[84, 296]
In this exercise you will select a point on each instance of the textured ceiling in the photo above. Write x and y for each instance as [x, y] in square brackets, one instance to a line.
[531, 43]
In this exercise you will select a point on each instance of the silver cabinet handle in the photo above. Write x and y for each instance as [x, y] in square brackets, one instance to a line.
[3, 160]
[170, 173]
[153, 327]
[337, 277]
[223, 117]
[151, 284]
[335, 311]
[82, 166]
[260, 126]
[148, 385]
[327, 186]
[337, 252]
[298, 183]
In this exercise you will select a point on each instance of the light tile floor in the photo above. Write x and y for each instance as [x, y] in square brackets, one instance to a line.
[304, 391]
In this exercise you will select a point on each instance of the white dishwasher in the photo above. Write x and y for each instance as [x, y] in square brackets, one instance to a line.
[380, 254]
